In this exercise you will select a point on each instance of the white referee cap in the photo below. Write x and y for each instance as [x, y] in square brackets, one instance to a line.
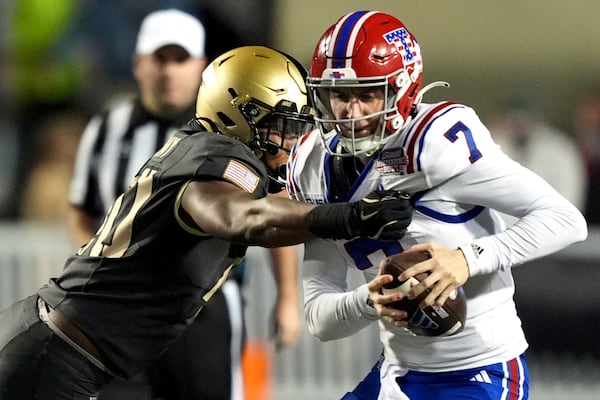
[165, 27]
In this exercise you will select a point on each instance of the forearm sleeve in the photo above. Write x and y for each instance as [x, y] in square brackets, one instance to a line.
[332, 311]
[333, 316]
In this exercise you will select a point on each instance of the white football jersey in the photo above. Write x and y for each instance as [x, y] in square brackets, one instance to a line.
[458, 179]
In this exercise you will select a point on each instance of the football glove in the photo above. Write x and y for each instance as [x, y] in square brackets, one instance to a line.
[383, 214]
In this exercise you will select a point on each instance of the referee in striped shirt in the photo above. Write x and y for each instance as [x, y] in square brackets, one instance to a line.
[167, 66]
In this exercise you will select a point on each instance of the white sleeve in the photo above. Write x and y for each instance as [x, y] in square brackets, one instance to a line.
[464, 165]
[547, 222]
[331, 311]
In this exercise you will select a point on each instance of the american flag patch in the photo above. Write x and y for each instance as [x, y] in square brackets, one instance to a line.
[240, 175]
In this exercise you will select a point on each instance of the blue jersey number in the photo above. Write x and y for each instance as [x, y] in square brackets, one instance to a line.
[360, 248]
[452, 135]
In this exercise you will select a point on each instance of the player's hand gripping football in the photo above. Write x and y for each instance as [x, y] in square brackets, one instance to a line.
[446, 270]
[381, 302]
[397, 301]
[383, 214]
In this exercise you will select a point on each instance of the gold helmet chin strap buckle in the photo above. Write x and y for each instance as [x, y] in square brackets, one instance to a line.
[240, 100]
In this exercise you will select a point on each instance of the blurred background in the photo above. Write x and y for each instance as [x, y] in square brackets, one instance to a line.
[530, 69]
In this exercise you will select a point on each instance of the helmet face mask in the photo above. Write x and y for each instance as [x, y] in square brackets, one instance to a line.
[280, 128]
[250, 91]
[321, 92]
[366, 49]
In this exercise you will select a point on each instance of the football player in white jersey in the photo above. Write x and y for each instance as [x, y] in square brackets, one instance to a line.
[375, 133]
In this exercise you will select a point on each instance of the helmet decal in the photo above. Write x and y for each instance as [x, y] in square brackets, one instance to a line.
[405, 44]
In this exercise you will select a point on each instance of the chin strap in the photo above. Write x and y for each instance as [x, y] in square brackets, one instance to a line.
[419, 98]
[398, 123]
[427, 88]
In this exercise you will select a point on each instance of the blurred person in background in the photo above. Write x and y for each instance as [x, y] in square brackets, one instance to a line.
[42, 77]
[586, 124]
[45, 195]
[9, 165]
[168, 61]
[527, 138]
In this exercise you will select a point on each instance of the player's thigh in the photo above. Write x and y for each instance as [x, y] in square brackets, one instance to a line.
[63, 373]
[494, 382]
[22, 338]
[35, 363]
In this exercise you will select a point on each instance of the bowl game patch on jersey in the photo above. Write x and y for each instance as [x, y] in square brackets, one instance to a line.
[392, 161]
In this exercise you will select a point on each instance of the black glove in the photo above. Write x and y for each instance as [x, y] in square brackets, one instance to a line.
[381, 215]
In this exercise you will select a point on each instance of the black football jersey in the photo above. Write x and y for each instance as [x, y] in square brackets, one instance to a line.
[149, 269]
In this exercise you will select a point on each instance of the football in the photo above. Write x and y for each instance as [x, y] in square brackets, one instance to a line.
[446, 321]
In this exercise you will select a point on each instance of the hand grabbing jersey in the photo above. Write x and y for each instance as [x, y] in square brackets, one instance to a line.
[383, 214]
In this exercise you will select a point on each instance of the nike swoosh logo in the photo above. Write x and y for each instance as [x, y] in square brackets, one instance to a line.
[365, 217]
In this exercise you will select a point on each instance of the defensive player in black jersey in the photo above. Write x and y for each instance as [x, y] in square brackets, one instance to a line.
[168, 64]
[169, 241]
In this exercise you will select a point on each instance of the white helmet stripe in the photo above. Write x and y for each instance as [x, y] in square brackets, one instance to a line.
[334, 35]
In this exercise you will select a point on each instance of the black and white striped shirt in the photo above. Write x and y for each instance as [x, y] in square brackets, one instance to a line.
[114, 145]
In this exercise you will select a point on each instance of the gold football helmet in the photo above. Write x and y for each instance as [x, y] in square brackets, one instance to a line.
[250, 91]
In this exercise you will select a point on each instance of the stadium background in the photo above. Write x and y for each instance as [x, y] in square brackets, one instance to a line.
[544, 50]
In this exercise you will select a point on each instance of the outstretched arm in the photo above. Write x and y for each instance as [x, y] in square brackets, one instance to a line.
[223, 210]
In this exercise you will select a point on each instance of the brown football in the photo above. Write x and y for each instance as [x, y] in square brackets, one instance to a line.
[446, 321]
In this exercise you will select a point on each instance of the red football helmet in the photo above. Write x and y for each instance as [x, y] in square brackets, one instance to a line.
[367, 49]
